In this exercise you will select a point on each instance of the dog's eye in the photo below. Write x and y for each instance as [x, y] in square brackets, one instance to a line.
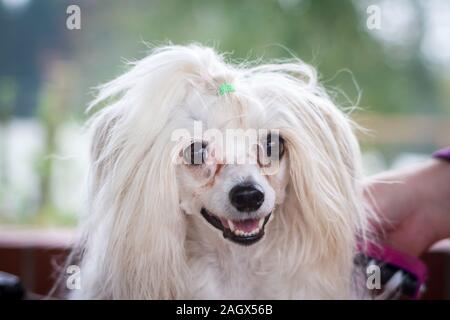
[274, 146]
[196, 153]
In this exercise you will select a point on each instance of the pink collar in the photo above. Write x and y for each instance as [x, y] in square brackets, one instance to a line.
[388, 255]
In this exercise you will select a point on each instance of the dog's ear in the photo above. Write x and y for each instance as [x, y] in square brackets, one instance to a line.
[324, 170]
[135, 235]
[324, 201]
[101, 133]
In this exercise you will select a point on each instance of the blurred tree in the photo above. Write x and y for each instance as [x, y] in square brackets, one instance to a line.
[53, 111]
[8, 95]
[31, 37]
[329, 34]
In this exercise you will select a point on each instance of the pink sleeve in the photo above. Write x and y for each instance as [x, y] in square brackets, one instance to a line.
[443, 154]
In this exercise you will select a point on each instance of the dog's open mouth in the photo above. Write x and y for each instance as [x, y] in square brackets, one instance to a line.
[244, 232]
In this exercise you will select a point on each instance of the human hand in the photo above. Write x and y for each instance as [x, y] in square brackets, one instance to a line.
[413, 205]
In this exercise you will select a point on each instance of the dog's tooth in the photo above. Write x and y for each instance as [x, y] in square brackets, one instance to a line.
[261, 223]
[231, 225]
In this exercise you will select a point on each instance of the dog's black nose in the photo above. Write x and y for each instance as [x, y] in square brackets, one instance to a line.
[246, 197]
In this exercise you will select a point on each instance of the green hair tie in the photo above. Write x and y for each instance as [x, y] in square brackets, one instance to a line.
[226, 88]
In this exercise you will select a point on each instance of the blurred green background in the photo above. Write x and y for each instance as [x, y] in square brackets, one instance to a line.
[397, 75]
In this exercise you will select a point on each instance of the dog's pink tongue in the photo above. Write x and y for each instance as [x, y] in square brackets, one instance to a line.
[247, 225]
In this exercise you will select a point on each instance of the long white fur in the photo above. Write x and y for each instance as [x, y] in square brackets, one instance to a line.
[137, 243]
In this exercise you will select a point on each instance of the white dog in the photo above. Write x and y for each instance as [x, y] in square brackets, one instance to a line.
[173, 214]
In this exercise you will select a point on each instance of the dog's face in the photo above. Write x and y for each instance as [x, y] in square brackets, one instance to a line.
[233, 175]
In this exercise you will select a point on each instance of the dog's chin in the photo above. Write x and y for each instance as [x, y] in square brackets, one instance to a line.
[244, 232]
